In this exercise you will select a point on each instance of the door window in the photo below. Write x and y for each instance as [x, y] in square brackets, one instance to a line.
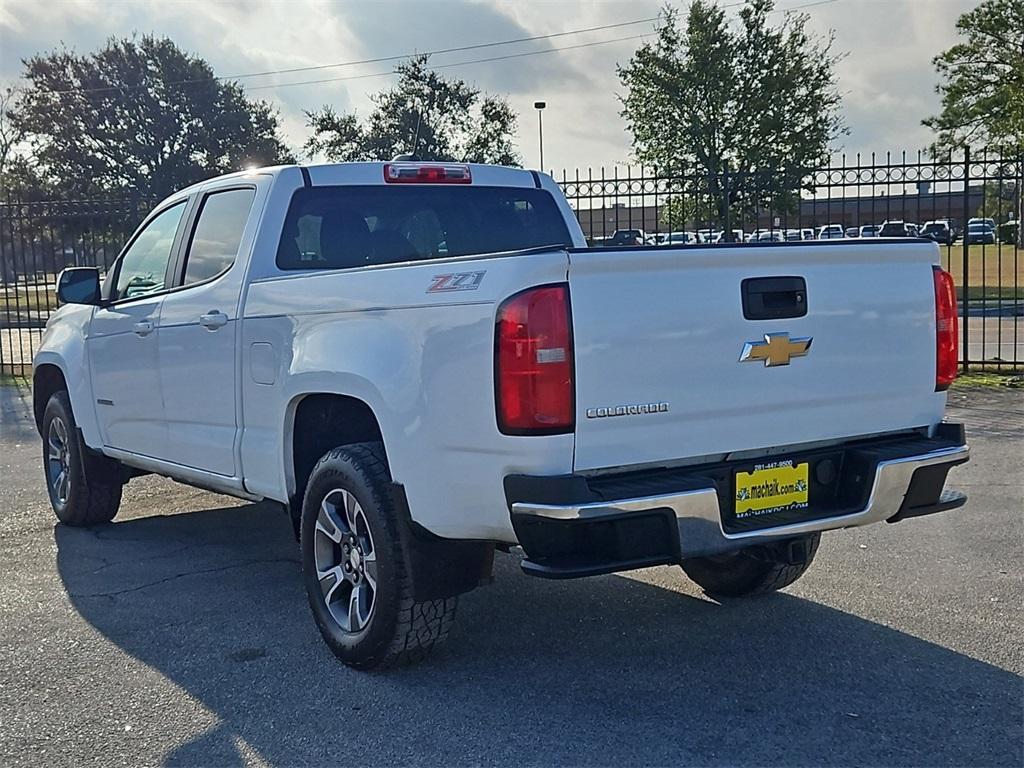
[143, 267]
[217, 234]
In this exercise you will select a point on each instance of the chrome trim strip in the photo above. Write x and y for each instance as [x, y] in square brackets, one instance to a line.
[699, 516]
[685, 504]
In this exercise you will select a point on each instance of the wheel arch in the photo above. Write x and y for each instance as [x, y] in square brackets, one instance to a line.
[316, 422]
[47, 379]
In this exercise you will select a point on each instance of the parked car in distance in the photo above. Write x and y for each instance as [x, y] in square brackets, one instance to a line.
[939, 231]
[869, 230]
[896, 228]
[793, 235]
[853, 231]
[990, 221]
[981, 233]
[682, 238]
[737, 237]
[770, 236]
[831, 232]
[626, 237]
[422, 363]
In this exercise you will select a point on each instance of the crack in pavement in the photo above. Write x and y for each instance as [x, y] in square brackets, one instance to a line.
[199, 572]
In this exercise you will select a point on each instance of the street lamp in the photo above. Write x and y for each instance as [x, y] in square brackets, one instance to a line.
[539, 106]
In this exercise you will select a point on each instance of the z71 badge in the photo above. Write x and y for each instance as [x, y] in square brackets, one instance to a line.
[456, 281]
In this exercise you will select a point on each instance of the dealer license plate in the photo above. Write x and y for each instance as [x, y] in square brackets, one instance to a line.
[771, 487]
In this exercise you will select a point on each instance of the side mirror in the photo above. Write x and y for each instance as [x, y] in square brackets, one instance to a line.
[79, 285]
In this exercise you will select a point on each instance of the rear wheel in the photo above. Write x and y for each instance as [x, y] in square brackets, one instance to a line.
[755, 570]
[84, 488]
[353, 567]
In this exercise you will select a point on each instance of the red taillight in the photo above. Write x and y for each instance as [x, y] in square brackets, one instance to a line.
[534, 362]
[416, 173]
[947, 337]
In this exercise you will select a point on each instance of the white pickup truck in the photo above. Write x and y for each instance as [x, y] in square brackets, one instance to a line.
[424, 362]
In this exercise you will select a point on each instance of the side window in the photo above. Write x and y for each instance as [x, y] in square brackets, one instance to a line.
[143, 267]
[217, 234]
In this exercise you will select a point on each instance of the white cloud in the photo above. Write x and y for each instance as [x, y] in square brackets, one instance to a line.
[887, 79]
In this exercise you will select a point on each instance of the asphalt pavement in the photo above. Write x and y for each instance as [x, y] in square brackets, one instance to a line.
[180, 635]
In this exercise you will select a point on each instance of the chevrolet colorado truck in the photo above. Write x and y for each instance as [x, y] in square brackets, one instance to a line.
[423, 362]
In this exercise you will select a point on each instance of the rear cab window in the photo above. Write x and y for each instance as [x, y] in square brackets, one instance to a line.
[342, 227]
[217, 234]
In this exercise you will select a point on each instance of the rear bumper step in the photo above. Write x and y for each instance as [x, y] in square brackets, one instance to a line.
[570, 526]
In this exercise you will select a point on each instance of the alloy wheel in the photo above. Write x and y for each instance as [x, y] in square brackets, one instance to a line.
[346, 560]
[58, 460]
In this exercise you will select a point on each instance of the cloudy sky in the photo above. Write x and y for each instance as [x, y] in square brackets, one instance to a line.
[886, 79]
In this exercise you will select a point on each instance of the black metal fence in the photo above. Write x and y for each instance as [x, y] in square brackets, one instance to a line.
[852, 197]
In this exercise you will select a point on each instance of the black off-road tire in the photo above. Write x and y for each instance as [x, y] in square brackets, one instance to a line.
[95, 481]
[399, 630]
[756, 570]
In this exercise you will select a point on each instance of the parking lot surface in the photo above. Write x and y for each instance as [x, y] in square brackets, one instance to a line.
[180, 635]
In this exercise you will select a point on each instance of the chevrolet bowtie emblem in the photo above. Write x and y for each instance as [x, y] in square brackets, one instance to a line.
[776, 349]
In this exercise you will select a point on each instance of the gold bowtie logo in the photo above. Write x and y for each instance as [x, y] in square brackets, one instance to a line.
[776, 349]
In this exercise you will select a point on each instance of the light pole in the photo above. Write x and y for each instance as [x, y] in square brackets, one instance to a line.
[539, 106]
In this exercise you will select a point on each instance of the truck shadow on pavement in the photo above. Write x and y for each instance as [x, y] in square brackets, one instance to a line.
[598, 671]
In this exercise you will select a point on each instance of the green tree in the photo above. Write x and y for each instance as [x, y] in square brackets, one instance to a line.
[737, 114]
[982, 81]
[139, 114]
[441, 118]
[982, 89]
[683, 211]
[999, 199]
[11, 135]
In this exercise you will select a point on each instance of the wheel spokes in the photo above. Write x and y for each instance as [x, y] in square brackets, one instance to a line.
[61, 485]
[359, 605]
[54, 448]
[62, 432]
[330, 522]
[329, 581]
[352, 510]
[370, 570]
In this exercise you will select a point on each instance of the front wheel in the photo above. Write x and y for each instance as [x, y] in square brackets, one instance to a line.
[353, 567]
[84, 488]
[755, 570]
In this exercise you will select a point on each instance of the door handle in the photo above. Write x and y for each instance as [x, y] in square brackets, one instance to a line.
[144, 327]
[213, 320]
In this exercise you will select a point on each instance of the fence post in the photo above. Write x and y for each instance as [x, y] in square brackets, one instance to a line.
[965, 302]
[727, 234]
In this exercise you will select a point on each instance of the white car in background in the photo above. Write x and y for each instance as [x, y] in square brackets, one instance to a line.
[832, 232]
[737, 237]
[682, 238]
[869, 230]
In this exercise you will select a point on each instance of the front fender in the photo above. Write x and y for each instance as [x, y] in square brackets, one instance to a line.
[63, 346]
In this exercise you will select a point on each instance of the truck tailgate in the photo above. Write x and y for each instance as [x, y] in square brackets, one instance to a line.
[659, 334]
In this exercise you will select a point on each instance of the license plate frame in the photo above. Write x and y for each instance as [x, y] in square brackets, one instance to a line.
[770, 487]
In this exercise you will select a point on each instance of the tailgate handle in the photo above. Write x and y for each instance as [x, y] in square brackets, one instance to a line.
[774, 298]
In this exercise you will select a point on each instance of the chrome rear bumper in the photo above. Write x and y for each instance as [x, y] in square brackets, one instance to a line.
[699, 517]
